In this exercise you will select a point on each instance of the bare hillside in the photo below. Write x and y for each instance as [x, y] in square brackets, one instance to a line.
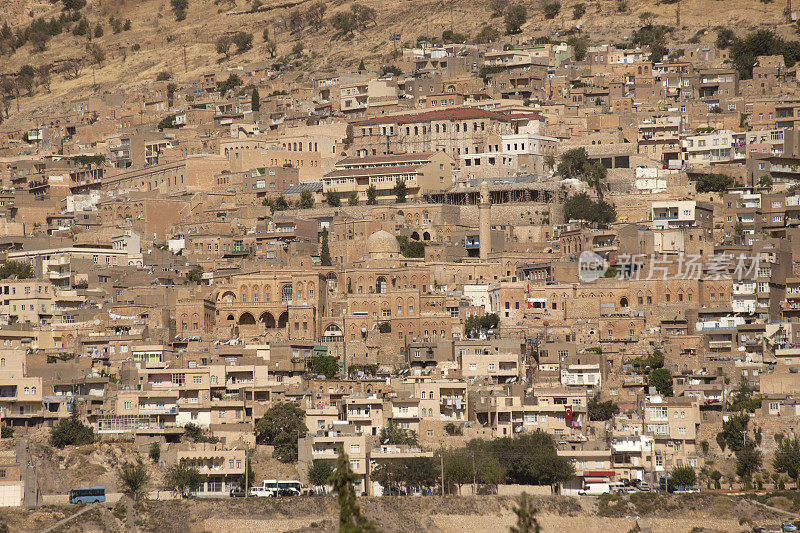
[164, 42]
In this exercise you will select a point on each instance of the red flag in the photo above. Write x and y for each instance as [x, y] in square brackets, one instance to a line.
[568, 413]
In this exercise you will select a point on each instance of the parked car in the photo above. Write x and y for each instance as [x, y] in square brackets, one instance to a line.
[237, 493]
[261, 492]
[788, 527]
[643, 486]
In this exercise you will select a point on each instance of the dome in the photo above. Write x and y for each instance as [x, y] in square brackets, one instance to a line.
[382, 244]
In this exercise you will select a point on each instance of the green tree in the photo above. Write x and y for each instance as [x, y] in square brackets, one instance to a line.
[255, 101]
[26, 77]
[531, 459]
[647, 18]
[394, 434]
[389, 474]
[306, 199]
[734, 431]
[182, 480]
[98, 30]
[487, 34]
[73, 5]
[742, 399]
[551, 10]
[457, 468]
[716, 476]
[195, 275]
[243, 41]
[71, 431]
[714, 183]
[342, 480]
[315, 14]
[515, 16]
[748, 462]
[352, 200]
[581, 207]
[400, 191]
[134, 477]
[223, 46]
[164, 75]
[598, 410]
[372, 195]
[661, 379]
[194, 433]
[281, 426]
[682, 476]
[326, 365]
[325, 252]
[410, 248]
[787, 459]
[725, 38]
[179, 8]
[526, 516]
[155, 452]
[578, 10]
[572, 162]
[344, 22]
[391, 69]
[363, 15]
[16, 270]
[333, 199]
[319, 473]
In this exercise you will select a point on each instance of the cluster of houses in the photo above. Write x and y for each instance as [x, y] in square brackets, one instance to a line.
[193, 271]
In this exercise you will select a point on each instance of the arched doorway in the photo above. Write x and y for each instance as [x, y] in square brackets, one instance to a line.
[246, 319]
[623, 302]
[283, 319]
[415, 236]
[426, 236]
[267, 319]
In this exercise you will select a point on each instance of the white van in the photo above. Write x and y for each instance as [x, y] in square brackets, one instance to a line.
[595, 489]
[261, 492]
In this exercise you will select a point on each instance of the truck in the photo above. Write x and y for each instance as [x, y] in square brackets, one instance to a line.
[595, 489]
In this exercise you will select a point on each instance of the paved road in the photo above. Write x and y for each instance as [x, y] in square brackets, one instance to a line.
[30, 492]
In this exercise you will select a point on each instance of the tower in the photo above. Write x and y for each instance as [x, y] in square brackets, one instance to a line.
[484, 222]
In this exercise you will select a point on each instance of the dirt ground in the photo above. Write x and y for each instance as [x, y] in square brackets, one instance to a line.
[164, 41]
[399, 514]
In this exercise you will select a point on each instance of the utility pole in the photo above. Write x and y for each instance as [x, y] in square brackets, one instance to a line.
[246, 474]
[473, 474]
[441, 461]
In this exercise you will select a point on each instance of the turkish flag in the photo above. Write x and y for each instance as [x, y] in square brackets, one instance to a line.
[568, 413]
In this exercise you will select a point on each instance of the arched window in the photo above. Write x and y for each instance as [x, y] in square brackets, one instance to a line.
[286, 294]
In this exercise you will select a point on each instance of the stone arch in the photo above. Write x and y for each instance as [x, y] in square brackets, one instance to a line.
[283, 319]
[381, 286]
[426, 236]
[246, 319]
[623, 302]
[228, 296]
[267, 319]
[415, 235]
[230, 318]
[332, 330]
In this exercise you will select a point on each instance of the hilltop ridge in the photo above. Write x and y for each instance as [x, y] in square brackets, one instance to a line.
[187, 48]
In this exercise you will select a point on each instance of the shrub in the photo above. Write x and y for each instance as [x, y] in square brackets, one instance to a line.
[515, 16]
[551, 10]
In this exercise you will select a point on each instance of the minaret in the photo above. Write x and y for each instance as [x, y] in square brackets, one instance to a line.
[484, 222]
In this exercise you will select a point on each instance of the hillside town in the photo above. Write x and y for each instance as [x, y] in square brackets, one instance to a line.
[532, 260]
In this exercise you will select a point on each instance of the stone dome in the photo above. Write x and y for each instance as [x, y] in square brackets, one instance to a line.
[382, 245]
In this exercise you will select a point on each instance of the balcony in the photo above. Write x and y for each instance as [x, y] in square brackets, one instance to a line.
[156, 410]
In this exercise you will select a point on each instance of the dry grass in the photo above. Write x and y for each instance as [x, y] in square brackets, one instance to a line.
[162, 40]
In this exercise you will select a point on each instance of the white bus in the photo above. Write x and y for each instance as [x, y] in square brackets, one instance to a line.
[283, 487]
